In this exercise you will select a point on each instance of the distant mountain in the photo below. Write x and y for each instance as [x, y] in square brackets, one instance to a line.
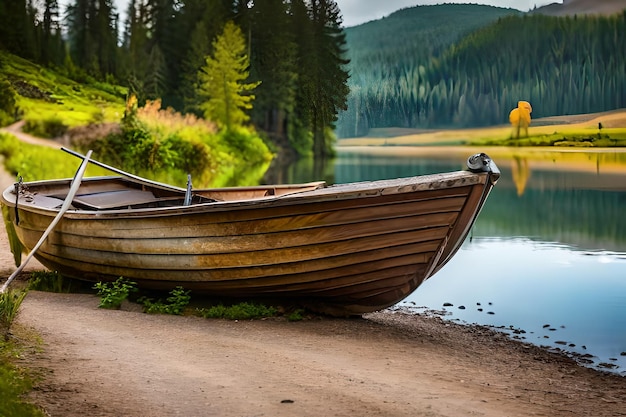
[582, 7]
[418, 32]
[468, 65]
[389, 58]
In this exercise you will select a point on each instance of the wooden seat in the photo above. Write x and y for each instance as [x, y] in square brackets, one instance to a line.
[115, 199]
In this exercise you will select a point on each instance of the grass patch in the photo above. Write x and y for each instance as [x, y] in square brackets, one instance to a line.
[575, 138]
[50, 281]
[15, 383]
[240, 311]
[34, 162]
[10, 302]
[296, 315]
[607, 129]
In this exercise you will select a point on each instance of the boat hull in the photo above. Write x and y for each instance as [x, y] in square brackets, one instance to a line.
[343, 250]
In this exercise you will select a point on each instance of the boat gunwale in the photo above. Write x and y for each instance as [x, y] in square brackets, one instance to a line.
[355, 190]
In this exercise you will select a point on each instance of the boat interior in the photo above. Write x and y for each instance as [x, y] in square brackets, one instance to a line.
[115, 193]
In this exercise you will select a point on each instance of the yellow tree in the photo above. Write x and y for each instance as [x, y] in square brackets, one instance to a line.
[222, 80]
[520, 118]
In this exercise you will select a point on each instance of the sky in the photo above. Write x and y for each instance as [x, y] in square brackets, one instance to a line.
[356, 12]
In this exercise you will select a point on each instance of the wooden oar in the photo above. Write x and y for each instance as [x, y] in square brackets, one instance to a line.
[124, 173]
[66, 205]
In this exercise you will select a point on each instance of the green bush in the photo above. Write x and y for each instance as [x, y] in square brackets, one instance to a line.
[296, 315]
[112, 294]
[246, 144]
[174, 304]
[8, 104]
[52, 127]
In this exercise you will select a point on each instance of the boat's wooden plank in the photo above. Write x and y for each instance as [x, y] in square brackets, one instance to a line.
[397, 283]
[276, 256]
[463, 224]
[224, 224]
[260, 210]
[89, 186]
[213, 224]
[371, 281]
[247, 193]
[252, 242]
[269, 278]
[446, 181]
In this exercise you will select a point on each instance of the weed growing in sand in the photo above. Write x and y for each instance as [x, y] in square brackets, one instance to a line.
[296, 315]
[174, 304]
[112, 294]
[10, 302]
[241, 311]
[49, 281]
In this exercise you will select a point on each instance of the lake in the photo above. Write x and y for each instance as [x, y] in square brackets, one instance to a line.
[545, 261]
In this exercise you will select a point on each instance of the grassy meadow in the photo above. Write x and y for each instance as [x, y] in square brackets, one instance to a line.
[45, 96]
[562, 131]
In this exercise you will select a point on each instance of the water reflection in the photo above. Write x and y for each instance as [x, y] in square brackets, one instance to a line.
[540, 292]
[548, 250]
[520, 174]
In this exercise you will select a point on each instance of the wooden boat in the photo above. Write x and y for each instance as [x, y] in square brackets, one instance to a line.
[344, 249]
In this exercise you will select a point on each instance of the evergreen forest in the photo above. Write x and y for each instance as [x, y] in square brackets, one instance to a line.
[444, 66]
[468, 65]
[295, 50]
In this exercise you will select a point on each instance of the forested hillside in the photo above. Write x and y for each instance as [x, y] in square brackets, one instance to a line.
[295, 50]
[451, 76]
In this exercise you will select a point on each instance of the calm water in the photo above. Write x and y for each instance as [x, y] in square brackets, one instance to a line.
[546, 260]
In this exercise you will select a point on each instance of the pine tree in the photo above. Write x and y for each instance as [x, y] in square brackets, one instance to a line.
[134, 45]
[273, 61]
[222, 80]
[17, 27]
[50, 34]
[325, 75]
[200, 21]
[81, 44]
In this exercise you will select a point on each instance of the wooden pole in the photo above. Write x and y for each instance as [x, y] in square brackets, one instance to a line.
[124, 173]
[66, 205]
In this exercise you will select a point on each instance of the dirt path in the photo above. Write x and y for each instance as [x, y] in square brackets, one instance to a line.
[16, 130]
[125, 363]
